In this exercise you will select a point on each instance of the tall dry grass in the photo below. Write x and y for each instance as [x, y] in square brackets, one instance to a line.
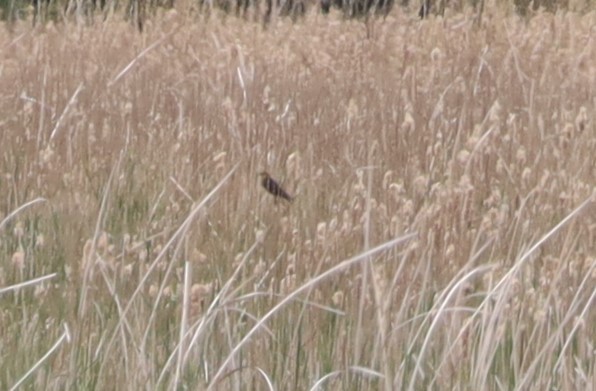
[442, 237]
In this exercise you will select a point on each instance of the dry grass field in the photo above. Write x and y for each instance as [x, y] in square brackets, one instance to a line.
[442, 236]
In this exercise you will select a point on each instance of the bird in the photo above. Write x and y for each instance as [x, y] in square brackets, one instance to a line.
[273, 187]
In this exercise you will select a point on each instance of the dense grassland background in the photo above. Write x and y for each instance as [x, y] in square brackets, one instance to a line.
[443, 234]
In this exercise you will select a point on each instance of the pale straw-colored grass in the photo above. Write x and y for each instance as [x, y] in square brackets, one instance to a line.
[443, 230]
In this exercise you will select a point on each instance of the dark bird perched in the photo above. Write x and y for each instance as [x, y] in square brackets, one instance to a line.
[273, 187]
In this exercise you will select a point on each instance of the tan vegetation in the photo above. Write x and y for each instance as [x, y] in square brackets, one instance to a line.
[442, 235]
